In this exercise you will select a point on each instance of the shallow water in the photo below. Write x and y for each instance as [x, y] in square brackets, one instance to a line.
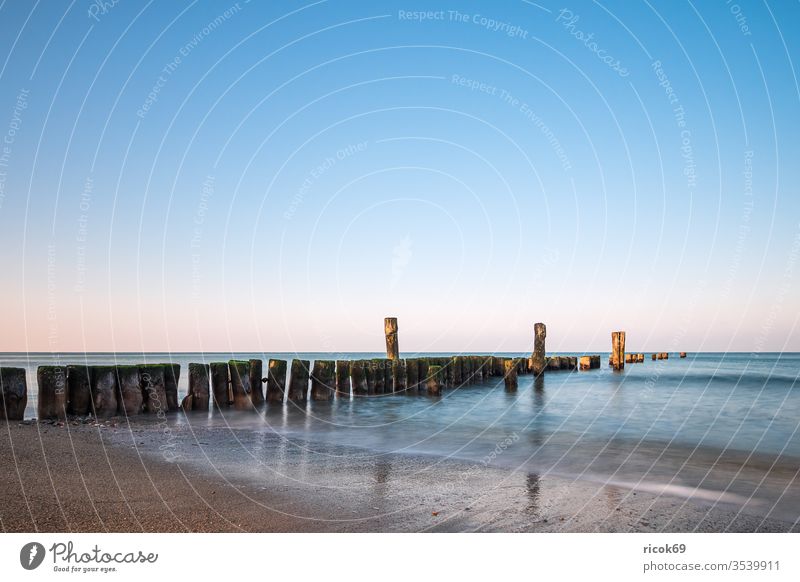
[712, 427]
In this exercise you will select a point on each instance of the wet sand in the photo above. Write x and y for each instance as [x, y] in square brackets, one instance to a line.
[115, 476]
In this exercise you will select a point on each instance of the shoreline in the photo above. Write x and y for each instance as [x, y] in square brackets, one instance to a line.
[113, 475]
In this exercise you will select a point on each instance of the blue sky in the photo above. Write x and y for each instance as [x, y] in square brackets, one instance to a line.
[281, 176]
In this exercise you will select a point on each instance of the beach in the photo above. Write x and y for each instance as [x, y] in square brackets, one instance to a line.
[121, 476]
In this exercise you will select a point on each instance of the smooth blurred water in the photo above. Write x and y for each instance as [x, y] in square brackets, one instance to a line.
[721, 422]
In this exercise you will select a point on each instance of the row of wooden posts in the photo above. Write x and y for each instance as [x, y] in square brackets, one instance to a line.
[130, 390]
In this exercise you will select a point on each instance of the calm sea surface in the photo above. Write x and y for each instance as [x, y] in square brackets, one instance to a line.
[717, 427]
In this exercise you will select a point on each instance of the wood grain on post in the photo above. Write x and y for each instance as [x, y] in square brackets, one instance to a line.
[298, 381]
[276, 381]
[13, 393]
[538, 363]
[79, 399]
[390, 329]
[342, 379]
[104, 391]
[358, 378]
[131, 396]
[618, 350]
[52, 392]
[240, 383]
[219, 384]
[510, 373]
[256, 373]
[323, 384]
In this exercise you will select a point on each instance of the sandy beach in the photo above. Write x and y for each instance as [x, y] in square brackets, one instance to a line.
[119, 477]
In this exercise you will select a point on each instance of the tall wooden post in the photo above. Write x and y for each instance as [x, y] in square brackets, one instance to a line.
[390, 329]
[510, 373]
[618, 350]
[538, 362]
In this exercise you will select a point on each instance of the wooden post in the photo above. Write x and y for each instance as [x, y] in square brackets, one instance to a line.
[342, 379]
[256, 373]
[358, 378]
[586, 363]
[458, 378]
[79, 400]
[434, 380]
[390, 329]
[682, 354]
[538, 356]
[553, 363]
[131, 396]
[52, 395]
[380, 378]
[618, 350]
[219, 384]
[423, 372]
[510, 374]
[240, 383]
[399, 375]
[276, 380]
[322, 380]
[172, 374]
[298, 381]
[13, 392]
[388, 377]
[104, 390]
[412, 372]
[151, 378]
[198, 395]
[369, 375]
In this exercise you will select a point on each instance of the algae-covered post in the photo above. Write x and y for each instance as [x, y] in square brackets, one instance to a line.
[276, 380]
[298, 381]
[219, 384]
[434, 380]
[358, 378]
[52, 399]
[240, 383]
[618, 350]
[390, 329]
[198, 396]
[322, 380]
[343, 379]
[104, 390]
[256, 382]
[510, 373]
[14, 392]
[80, 394]
[538, 360]
[129, 385]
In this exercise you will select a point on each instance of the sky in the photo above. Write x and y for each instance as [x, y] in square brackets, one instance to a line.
[281, 176]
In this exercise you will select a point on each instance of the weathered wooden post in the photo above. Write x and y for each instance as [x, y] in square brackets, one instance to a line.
[682, 354]
[256, 373]
[390, 329]
[412, 372]
[538, 362]
[52, 395]
[240, 383]
[422, 366]
[104, 390]
[510, 373]
[322, 380]
[131, 396]
[586, 363]
[380, 378]
[342, 379]
[198, 395]
[172, 374]
[14, 393]
[369, 376]
[618, 350]
[151, 378]
[399, 375]
[358, 378]
[276, 380]
[219, 384]
[388, 377]
[434, 380]
[553, 363]
[458, 378]
[298, 381]
[79, 400]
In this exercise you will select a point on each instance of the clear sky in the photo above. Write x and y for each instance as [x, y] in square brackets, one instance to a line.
[281, 176]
